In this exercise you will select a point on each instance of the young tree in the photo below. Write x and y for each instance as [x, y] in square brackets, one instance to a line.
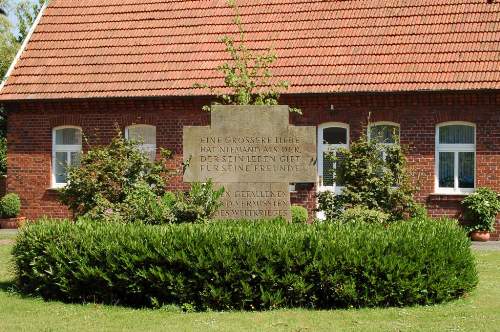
[371, 181]
[247, 75]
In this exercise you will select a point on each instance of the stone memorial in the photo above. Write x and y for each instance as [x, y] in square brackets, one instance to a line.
[255, 154]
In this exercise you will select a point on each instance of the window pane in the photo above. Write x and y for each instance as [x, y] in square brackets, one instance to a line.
[456, 134]
[150, 151]
[339, 178]
[446, 170]
[335, 135]
[466, 169]
[328, 178]
[143, 134]
[69, 136]
[384, 133]
[75, 158]
[61, 166]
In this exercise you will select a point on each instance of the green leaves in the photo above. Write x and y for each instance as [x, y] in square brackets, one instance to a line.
[481, 208]
[371, 181]
[247, 75]
[299, 214]
[10, 205]
[108, 173]
[246, 265]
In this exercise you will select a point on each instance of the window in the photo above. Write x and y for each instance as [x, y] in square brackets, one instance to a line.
[145, 135]
[385, 134]
[455, 158]
[66, 151]
[331, 137]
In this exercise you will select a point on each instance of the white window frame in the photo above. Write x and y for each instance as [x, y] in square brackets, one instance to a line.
[329, 147]
[383, 123]
[455, 148]
[143, 147]
[68, 149]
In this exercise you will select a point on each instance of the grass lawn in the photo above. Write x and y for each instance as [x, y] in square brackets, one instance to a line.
[478, 312]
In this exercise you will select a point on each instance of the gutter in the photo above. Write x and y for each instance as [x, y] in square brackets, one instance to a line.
[25, 43]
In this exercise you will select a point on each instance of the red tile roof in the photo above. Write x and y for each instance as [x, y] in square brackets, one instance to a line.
[135, 48]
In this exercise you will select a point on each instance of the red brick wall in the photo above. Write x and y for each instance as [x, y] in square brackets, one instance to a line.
[30, 131]
[3, 185]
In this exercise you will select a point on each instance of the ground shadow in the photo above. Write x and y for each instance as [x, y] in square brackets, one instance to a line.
[7, 286]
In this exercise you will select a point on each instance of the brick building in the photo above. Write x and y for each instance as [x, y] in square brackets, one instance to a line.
[429, 70]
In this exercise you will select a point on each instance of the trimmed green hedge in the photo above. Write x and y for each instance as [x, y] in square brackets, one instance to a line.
[246, 265]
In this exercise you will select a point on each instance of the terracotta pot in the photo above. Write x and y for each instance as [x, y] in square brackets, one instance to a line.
[482, 236]
[12, 223]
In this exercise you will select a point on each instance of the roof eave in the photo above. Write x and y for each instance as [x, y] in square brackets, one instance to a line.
[207, 96]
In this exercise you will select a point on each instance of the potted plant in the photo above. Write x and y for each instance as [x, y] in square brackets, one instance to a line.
[481, 209]
[10, 206]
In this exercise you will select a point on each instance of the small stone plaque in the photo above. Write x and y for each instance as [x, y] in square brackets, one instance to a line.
[255, 154]
[255, 201]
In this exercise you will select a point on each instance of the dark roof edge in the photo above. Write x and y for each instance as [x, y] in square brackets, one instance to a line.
[347, 93]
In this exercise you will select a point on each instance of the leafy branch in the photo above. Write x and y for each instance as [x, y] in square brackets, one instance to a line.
[247, 74]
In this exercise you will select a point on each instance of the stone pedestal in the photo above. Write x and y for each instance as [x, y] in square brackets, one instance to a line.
[255, 154]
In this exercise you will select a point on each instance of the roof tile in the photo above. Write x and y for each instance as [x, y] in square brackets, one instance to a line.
[135, 48]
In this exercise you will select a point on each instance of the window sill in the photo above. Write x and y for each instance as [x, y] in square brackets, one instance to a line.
[457, 197]
[450, 194]
[54, 188]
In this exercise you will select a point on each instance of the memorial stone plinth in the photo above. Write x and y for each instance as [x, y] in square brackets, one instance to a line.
[255, 154]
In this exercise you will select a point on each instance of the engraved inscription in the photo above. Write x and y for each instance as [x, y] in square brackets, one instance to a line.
[251, 154]
[254, 201]
[255, 154]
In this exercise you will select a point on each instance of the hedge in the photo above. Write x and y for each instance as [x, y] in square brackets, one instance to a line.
[246, 265]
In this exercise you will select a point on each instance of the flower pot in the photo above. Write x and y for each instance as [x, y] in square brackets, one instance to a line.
[482, 236]
[12, 223]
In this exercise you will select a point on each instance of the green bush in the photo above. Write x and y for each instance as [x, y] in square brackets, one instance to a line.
[364, 214]
[200, 203]
[299, 214]
[108, 173]
[142, 204]
[10, 205]
[379, 183]
[118, 183]
[246, 265]
[481, 209]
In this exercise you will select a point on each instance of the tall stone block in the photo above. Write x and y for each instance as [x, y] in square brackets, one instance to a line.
[255, 154]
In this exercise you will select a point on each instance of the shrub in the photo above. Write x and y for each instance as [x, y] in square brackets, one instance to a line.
[364, 214]
[299, 214]
[142, 204]
[481, 208]
[372, 181]
[118, 182]
[200, 203]
[108, 173]
[246, 265]
[10, 205]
